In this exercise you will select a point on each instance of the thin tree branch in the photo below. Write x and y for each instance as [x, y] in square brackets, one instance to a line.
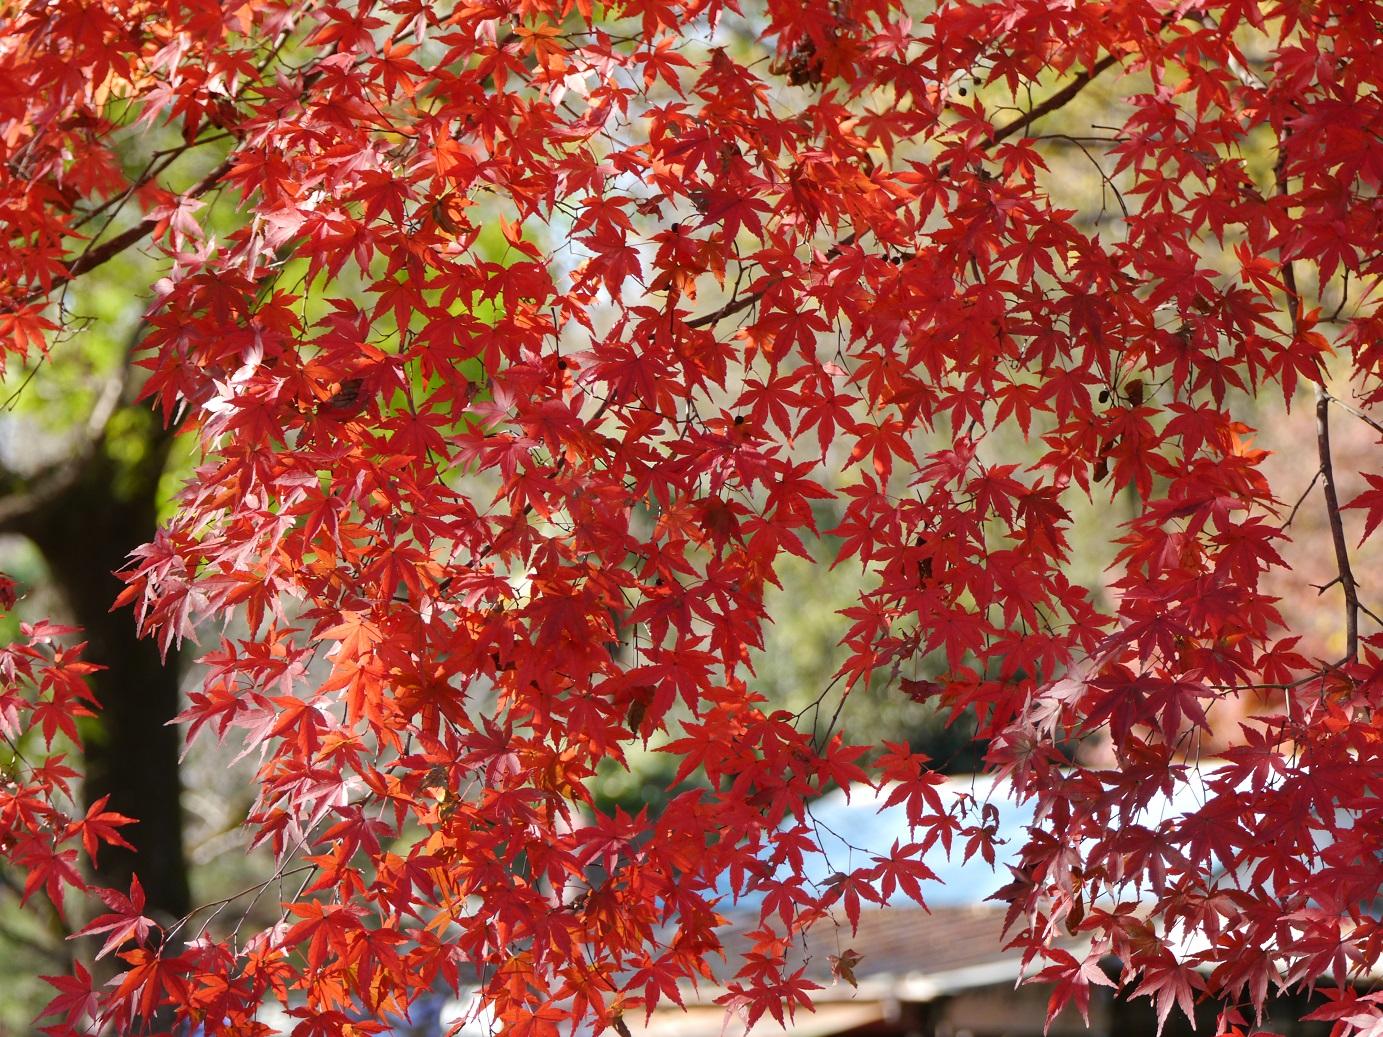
[1107, 184]
[1056, 101]
[27, 497]
[1337, 526]
[94, 257]
[743, 302]
[1345, 572]
[104, 253]
[1304, 494]
[1375, 425]
[158, 162]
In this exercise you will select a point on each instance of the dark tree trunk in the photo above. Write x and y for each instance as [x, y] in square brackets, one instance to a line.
[131, 754]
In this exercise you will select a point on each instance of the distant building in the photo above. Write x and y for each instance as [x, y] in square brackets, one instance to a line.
[937, 972]
[942, 973]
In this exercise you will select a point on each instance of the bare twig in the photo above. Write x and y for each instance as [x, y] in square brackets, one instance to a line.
[1345, 576]
[743, 302]
[1106, 182]
[94, 257]
[158, 162]
[13, 397]
[1337, 526]
[103, 253]
[1344, 298]
[51, 483]
[1304, 494]
[1057, 100]
[1375, 425]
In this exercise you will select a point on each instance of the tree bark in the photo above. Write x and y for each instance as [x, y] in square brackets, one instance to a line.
[131, 755]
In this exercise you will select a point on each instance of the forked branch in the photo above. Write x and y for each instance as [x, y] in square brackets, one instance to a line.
[1337, 526]
[1345, 572]
[23, 498]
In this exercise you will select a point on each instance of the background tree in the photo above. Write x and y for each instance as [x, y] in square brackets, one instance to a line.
[86, 511]
[484, 526]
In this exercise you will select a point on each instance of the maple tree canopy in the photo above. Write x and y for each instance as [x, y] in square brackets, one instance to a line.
[523, 340]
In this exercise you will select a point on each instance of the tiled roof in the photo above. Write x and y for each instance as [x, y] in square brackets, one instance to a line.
[898, 941]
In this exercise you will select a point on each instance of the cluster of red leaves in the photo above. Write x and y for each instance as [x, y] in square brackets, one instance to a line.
[43, 692]
[484, 520]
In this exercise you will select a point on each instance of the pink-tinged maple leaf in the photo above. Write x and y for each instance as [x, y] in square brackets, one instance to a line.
[75, 1000]
[1169, 983]
[1070, 978]
[1362, 1014]
[126, 920]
